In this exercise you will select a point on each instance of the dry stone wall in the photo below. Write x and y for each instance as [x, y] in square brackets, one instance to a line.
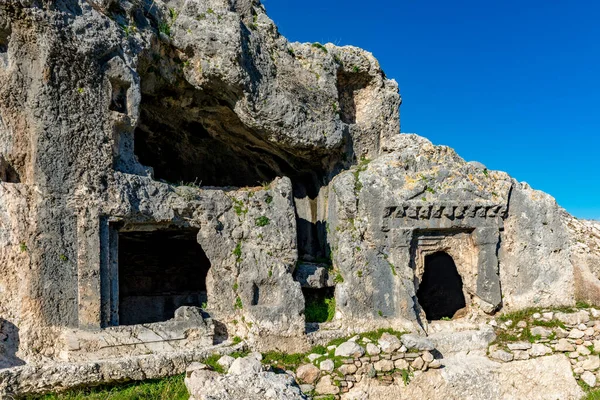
[120, 119]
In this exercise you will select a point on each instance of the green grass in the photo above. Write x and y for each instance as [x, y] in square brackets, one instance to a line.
[592, 395]
[319, 46]
[262, 221]
[319, 308]
[375, 335]
[237, 252]
[171, 388]
[212, 363]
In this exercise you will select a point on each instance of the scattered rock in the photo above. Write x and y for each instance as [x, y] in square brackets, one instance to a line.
[538, 350]
[348, 369]
[427, 356]
[226, 362]
[417, 342]
[573, 319]
[327, 365]
[401, 364]
[584, 351]
[589, 378]
[418, 363]
[349, 349]
[576, 334]
[501, 355]
[384, 365]
[326, 386]
[564, 345]
[591, 363]
[308, 373]
[389, 343]
[519, 346]
[373, 349]
[520, 355]
[210, 385]
[313, 357]
[245, 365]
[541, 331]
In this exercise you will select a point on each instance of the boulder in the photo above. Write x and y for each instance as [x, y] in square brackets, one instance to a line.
[308, 373]
[389, 343]
[349, 349]
[417, 342]
[245, 365]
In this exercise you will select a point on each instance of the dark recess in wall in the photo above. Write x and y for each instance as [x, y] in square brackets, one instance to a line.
[160, 271]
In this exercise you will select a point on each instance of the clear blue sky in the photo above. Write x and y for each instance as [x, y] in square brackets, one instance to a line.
[512, 84]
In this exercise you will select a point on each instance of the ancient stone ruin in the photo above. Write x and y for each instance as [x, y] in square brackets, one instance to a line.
[176, 174]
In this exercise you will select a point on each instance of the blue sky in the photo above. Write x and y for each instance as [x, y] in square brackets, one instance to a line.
[512, 84]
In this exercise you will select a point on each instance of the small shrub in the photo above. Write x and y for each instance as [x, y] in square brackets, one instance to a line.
[211, 361]
[359, 273]
[237, 252]
[338, 278]
[237, 340]
[262, 221]
[319, 306]
[210, 11]
[406, 376]
[235, 287]
[63, 258]
[269, 199]
[164, 27]
[23, 247]
[283, 360]
[355, 69]
[238, 303]
[320, 46]
[319, 349]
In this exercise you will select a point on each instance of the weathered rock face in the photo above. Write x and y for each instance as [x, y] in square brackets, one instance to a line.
[177, 173]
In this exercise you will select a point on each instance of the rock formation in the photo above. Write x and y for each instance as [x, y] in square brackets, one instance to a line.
[176, 173]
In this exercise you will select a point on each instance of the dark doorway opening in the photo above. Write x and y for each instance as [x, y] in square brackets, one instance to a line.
[160, 271]
[440, 293]
[319, 304]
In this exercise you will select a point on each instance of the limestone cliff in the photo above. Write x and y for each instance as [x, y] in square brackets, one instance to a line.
[164, 154]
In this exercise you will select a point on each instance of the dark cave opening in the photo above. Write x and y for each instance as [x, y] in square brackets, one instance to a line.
[200, 140]
[319, 304]
[4, 39]
[160, 271]
[440, 292]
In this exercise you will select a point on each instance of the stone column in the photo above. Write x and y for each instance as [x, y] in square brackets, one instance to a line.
[488, 278]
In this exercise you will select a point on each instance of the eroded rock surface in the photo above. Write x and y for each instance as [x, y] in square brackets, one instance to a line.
[175, 174]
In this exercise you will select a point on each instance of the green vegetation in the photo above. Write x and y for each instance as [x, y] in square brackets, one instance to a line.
[237, 252]
[376, 335]
[406, 376]
[237, 340]
[359, 273]
[262, 221]
[235, 287]
[171, 388]
[362, 166]
[355, 69]
[486, 172]
[283, 360]
[238, 207]
[431, 190]
[269, 199]
[319, 307]
[80, 90]
[212, 363]
[63, 258]
[320, 46]
[23, 247]
[238, 303]
[338, 278]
